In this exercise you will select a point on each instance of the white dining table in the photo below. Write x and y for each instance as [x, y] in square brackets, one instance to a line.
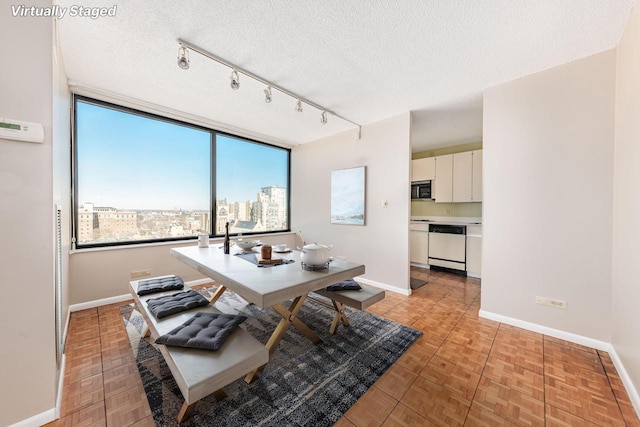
[268, 286]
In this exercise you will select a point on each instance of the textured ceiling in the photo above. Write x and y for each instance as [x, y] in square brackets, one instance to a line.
[364, 59]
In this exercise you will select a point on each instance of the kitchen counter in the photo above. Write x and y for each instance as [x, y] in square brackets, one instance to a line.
[446, 220]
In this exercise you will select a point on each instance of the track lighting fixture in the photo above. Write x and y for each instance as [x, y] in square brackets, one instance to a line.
[267, 94]
[183, 58]
[183, 62]
[235, 80]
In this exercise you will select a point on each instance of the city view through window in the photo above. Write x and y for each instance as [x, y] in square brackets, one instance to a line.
[139, 178]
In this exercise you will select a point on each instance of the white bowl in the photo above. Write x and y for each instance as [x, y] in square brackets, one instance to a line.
[246, 245]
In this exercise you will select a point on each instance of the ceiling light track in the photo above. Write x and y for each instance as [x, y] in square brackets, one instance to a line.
[183, 62]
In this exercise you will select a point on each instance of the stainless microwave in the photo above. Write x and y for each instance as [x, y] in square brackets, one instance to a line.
[421, 190]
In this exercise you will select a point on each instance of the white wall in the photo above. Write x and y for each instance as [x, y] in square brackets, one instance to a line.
[548, 187]
[27, 354]
[61, 134]
[383, 243]
[626, 206]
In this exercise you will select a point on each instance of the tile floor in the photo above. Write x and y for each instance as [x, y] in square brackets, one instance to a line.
[464, 370]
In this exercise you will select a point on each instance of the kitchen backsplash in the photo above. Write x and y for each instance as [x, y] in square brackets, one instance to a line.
[430, 208]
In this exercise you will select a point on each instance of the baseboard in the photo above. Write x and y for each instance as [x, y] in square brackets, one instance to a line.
[556, 333]
[578, 339]
[417, 264]
[37, 420]
[634, 397]
[99, 302]
[384, 286]
[63, 365]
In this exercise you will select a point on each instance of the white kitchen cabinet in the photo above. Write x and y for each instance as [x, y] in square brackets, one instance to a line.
[462, 176]
[423, 169]
[419, 244]
[467, 176]
[443, 184]
[457, 177]
[474, 251]
[476, 191]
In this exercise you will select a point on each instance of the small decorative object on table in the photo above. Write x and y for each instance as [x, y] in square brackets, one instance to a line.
[203, 240]
[227, 243]
[265, 251]
[247, 245]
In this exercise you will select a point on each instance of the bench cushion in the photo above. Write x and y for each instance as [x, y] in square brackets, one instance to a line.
[160, 284]
[206, 331]
[346, 285]
[170, 304]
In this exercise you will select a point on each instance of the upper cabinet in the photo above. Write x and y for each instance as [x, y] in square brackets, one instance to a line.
[476, 182]
[423, 169]
[443, 185]
[462, 176]
[458, 177]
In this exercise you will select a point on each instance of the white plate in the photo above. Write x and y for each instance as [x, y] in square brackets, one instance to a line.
[282, 252]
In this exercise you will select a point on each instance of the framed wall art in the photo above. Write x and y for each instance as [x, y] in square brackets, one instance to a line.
[348, 196]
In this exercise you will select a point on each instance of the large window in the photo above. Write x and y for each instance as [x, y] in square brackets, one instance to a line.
[251, 186]
[143, 178]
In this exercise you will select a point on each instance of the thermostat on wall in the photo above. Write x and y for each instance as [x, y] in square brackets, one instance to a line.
[21, 131]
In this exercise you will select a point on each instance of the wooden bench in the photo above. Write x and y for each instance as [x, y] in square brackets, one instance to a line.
[200, 373]
[360, 299]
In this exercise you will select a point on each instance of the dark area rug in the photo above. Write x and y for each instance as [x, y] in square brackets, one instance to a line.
[416, 283]
[303, 384]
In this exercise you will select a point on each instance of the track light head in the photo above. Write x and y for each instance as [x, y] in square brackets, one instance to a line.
[267, 94]
[299, 106]
[183, 58]
[235, 80]
[323, 118]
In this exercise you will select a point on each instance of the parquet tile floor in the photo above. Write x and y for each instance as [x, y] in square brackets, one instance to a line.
[464, 370]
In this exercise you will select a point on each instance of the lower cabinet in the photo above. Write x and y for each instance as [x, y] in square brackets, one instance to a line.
[474, 251]
[419, 247]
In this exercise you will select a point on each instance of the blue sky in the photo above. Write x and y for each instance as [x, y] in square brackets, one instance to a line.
[131, 162]
[244, 168]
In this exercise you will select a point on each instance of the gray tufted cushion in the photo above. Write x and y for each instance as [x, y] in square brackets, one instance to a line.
[347, 285]
[205, 331]
[160, 284]
[171, 304]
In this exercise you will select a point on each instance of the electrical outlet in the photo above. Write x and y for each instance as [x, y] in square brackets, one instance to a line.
[140, 273]
[449, 211]
[550, 302]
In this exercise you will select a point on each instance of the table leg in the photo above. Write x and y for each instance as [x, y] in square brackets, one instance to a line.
[289, 317]
[217, 294]
[340, 316]
[293, 320]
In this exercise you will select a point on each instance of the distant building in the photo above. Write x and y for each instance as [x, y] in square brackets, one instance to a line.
[222, 215]
[272, 207]
[105, 223]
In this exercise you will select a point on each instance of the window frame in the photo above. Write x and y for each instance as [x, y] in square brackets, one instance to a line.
[212, 179]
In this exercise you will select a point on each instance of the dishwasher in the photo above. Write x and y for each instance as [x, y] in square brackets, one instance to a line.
[447, 246]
